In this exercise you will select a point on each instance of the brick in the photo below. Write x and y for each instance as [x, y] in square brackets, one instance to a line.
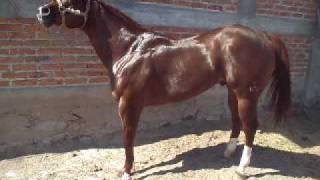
[24, 67]
[24, 83]
[51, 67]
[13, 75]
[4, 83]
[96, 66]
[10, 60]
[4, 35]
[11, 27]
[38, 75]
[99, 80]
[74, 66]
[20, 35]
[94, 73]
[49, 52]
[37, 59]
[28, 21]
[4, 51]
[65, 74]
[22, 51]
[77, 51]
[37, 43]
[63, 59]
[4, 43]
[75, 81]
[33, 28]
[88, 59]
[17, 21]
[4, 67]
[50, 82]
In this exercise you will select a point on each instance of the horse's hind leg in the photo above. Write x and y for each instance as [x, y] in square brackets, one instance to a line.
[236, 124]
[247, 107]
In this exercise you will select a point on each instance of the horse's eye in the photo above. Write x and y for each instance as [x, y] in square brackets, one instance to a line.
[62, 8]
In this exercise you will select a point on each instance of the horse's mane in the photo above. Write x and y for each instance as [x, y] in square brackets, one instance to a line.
[123, 17]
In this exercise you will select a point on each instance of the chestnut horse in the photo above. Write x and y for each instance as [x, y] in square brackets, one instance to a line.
[147, 68]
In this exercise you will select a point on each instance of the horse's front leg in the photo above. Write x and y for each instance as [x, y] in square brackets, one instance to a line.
[129, 111]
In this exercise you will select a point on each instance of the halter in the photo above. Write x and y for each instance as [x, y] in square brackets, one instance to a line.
[63, 10]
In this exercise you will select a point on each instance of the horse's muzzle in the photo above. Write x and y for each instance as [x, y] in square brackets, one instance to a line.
[43, 14]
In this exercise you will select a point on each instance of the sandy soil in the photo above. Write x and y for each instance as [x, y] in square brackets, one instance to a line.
[192, 149]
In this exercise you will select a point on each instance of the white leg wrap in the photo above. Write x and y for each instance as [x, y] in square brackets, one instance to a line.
[126, 176]
[245, 159]
[231, 147]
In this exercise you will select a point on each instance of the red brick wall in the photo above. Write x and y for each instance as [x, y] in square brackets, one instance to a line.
[213, 5]
[302, 9]
[32, 56]
[299, 49]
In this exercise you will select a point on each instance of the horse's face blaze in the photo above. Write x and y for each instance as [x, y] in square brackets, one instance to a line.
[48, 13]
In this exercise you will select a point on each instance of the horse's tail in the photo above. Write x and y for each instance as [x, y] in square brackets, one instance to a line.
[280, 89]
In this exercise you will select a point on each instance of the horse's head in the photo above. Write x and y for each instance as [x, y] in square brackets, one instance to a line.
[69, 13]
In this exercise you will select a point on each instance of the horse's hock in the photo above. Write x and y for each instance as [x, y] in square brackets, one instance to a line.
[50, 92]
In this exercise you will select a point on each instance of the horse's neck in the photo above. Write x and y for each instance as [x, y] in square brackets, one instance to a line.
[110, 38]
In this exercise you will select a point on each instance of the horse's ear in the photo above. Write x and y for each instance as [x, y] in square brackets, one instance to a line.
[82, 1]
[79, 2]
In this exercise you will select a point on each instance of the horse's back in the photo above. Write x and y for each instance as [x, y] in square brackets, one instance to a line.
[239, 56]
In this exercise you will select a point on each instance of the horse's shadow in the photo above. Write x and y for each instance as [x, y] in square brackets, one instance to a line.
[283, 163]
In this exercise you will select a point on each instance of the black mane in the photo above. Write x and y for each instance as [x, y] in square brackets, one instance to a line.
[123, 17]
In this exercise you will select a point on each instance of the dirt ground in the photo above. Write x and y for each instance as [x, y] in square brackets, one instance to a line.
[192, 149]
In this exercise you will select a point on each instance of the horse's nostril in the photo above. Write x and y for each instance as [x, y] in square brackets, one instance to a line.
[45, 10]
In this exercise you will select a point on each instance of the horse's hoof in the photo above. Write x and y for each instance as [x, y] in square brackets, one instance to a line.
[227, 154]
[126, 176]
[241, 173]
[231, 148]
[120, 172]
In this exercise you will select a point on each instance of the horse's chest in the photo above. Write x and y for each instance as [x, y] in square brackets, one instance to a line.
[132, 69]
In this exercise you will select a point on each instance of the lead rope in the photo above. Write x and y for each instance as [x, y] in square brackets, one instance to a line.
[63, 11]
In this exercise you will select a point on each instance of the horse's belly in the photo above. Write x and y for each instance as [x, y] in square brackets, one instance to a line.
[181, 86]
[180, 89]
[182, 72]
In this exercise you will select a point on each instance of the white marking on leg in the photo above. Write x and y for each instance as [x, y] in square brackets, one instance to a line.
[245, 159]
[126, 176]
[231, 147]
